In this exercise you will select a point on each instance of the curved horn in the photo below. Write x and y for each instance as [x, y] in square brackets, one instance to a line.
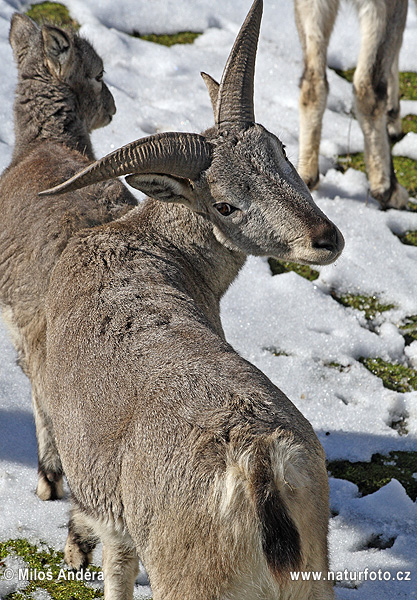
[235, 102]
[183, 155]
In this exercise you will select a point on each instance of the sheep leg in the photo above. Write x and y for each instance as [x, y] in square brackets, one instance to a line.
[381, 28]
[120, 566]
[314, 20]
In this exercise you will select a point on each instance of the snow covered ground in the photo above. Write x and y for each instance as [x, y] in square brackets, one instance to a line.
[159, 89]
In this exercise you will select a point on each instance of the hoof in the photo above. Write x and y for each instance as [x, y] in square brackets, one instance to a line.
[396, 198]
[311, 181]
[75, 557]
[394, 126]
[50, 486]
[395, 136]
[78, 552]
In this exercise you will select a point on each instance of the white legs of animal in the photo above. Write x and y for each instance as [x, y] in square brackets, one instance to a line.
[382, 25]
[120, 566]
[314, 20]
[375, 88]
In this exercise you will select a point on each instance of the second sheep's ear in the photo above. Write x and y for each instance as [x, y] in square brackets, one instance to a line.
[58, 51]
[22, 31]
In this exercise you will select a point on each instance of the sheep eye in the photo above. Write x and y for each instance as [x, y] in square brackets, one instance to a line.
[100, 76]
[224, 209]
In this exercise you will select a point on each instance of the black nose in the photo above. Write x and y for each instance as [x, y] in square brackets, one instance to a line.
[327, 237]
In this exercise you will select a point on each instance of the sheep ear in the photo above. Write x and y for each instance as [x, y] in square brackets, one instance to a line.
[164, 187]
[22, 31]
[58, 50]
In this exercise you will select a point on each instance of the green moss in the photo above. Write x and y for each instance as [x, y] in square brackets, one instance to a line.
[409, 123]
[408, 85]
[334, 365]
[36, 558]
[52, 12]
[405, 169]
[370, 305]
[278, 267]
[394, 376]
[346, 74]
[371, 476]
[352, 161]
[48, 561]
[182, 37]
[276, 351]
[409, 329]
[409, 238]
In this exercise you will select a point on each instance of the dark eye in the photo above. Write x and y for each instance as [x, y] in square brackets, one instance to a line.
[283, 151]
[100, 76]
[224, 208]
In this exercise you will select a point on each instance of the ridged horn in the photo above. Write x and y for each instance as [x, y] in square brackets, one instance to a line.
[235, 102]
[183, 155]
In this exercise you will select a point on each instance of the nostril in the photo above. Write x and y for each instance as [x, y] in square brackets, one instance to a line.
[324, 244]
[326, 238]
